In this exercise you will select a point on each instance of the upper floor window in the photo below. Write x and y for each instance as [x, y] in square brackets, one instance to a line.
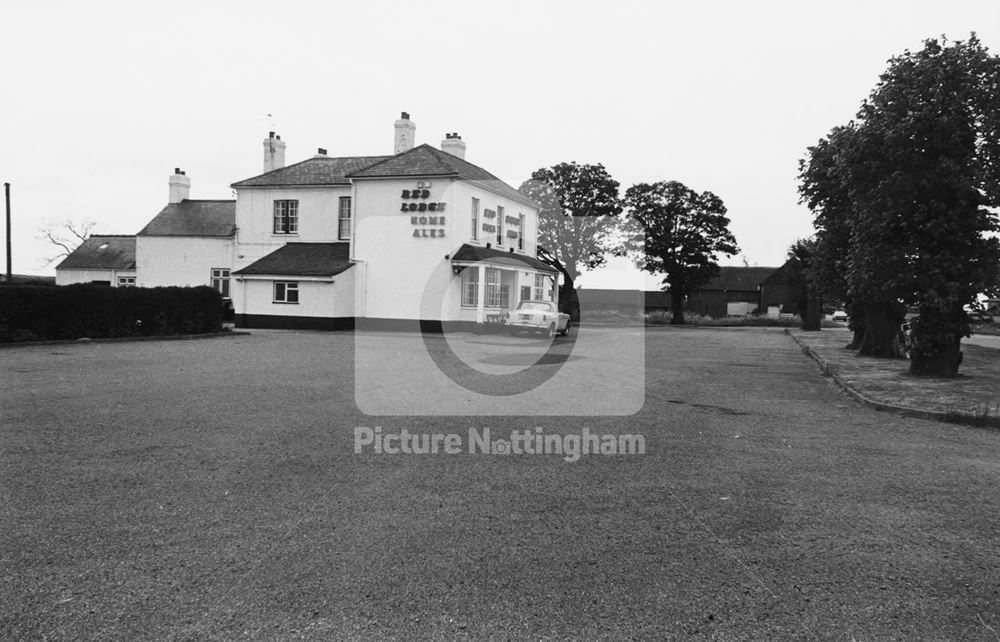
[286, 217]
[475, 219]
[520, 232]
[499, 225]
[220, 281]
[344, 219]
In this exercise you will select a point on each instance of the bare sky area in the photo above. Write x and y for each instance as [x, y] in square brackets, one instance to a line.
[101, 100]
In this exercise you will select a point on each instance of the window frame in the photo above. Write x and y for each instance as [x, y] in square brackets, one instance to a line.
[286, 217]
[287, 288]
[126, 281]
[539, 290]
[470, 278]
[520, 232]
[500, 225]
[494, 295]
[221, 279]
[475, 218]
[342, 219]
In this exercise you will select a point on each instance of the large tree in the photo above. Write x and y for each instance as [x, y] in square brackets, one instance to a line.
[921, 169]
[579, 223]
[824, 188]
[684, 233]
[798, 269]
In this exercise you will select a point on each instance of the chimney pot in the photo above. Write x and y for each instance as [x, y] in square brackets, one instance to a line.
[454, 145]
[180, 186]
[274, 152]
[405, 134]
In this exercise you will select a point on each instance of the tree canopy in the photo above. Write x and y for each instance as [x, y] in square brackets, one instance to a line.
[683, 232]
[908, 187]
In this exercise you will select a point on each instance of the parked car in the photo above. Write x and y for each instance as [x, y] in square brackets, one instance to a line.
[538, 316]
[839, 315]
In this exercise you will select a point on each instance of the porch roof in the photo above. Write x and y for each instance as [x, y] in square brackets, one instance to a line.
[469, 254]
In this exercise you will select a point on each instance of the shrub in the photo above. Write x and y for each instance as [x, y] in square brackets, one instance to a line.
[41, 312]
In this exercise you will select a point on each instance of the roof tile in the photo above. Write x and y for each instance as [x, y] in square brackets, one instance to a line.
[194, 218]
[303, 259]
[102, 252]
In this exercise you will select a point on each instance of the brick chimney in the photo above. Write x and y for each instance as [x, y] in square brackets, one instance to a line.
[454, 145]
[274, 152]
[180, 186]
[405, 134]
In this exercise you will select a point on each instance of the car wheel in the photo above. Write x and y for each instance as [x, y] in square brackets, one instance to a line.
[565, 331]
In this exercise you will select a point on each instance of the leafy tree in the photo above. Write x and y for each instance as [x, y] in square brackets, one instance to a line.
[579, 223]
[798, 268]
[917, 175]
[930, 170]
[684, 233]
[825, 189]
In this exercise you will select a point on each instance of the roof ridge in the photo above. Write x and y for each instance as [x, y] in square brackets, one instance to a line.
[206, 200]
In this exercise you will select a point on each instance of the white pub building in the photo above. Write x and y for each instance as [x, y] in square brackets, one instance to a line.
[384, 241]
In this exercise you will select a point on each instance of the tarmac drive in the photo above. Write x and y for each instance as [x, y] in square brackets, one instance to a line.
[210, 489]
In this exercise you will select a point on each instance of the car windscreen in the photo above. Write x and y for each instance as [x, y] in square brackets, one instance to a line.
[531, 305]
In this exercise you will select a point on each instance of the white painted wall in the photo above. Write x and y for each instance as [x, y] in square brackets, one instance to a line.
[180, 260]
[68, 277]
[316, 298]
[409, 277]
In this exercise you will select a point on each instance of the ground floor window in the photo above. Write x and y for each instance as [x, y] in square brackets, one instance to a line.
[493, 289]
[540, 294]
[220, 281]
[470, 286]
[126, 281]
[286, 292]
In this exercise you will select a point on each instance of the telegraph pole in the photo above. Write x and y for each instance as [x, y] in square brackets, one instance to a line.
[6, 190]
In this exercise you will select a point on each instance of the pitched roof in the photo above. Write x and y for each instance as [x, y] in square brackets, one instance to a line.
[194, 218]
[428, 161]
[102, 252]
[303, 259]
[475, 254]
[745, 279]
[314, 171]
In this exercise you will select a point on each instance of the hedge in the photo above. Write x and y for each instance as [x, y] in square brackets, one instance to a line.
[46, 312]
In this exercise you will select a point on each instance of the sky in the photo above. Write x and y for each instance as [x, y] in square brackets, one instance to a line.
[101, 100]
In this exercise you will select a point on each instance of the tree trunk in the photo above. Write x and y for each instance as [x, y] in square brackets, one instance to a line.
[937, 336]
[676, 306]
[569, 300]
[856, 324]
[882, 322]
[812, 314]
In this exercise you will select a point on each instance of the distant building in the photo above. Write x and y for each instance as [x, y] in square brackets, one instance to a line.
[736, 291]
[28, 279]
[102, 258]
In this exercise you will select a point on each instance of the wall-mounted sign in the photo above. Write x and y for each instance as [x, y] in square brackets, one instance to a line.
[415, 200]
[512, 220]
[489, 214]
[489, 228]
